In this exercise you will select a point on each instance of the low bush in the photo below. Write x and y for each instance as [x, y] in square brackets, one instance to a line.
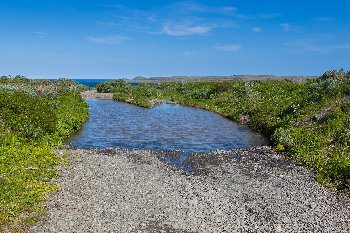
[112, 86]
[36, 116]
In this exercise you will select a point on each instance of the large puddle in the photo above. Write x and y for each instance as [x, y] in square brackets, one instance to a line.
[166, 127]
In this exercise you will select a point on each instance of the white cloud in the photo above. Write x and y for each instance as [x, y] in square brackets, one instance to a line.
[258, 16]
[185, 30]
[323, 19]
[346, 46]
[227, 9]
[228, 48]
[176, 19]
[190, 8]
[41, 33]
[309, 47]
[108, 24]
[108, 39]
[315, 45]
[181, 18]
[115, 6]
[286, 27]
[256, 29]
[188, 53]
[268, 16]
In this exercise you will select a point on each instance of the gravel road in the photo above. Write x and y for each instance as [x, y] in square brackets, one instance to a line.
[93, 94]
[243, 190]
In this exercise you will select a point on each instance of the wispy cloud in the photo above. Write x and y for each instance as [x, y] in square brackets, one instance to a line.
[256, 29]
[41, 33]
[304, 46]
[177, 19]
[185, 30]
[323, 19]
[108, 24]
[286, 27]
[227, 9]
[188, 53]
[228, 47]
[190, 8]
[108, 39]
[114, 6]
[182, 18]
[344, 46]
[258, 16]
[269, 16]
[315, 45]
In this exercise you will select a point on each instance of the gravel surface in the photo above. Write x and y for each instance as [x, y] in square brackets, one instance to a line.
[93, 94]
[243, 190]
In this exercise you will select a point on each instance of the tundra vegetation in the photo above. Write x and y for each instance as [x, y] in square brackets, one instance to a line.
[36, 116]
[309, 120]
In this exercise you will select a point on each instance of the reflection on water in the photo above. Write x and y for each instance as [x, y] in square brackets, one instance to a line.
[121, 125]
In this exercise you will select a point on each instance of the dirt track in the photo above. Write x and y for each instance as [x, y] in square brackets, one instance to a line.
[243, 190]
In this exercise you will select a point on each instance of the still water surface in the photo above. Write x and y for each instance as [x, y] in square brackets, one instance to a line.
[121, 125]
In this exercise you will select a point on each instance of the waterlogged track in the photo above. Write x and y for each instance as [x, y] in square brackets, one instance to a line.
[242, 190]
[167, 127]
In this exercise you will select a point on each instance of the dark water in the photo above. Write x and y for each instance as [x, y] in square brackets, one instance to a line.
[94, 82]
[167, 127]
[90, 82]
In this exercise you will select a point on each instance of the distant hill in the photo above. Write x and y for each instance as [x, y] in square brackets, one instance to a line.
[140, 79]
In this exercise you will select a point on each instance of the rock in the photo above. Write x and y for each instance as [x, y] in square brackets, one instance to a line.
[243, 119]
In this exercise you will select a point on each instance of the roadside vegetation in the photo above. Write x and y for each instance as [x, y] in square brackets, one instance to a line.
[36, 116]
[309, 120]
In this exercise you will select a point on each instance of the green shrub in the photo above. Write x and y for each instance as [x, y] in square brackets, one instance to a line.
[27, 115]
[112, 86]
[35, 117]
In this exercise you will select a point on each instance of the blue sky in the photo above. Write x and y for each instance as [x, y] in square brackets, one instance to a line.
[124, 39]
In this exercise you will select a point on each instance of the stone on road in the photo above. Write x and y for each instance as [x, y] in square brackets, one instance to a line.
[244, 190]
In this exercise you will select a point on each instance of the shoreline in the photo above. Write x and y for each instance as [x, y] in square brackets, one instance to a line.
[252, 189]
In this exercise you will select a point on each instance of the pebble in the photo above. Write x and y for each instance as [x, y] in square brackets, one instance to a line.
[119, 190]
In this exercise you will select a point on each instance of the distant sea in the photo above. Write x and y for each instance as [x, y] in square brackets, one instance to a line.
[94, 82]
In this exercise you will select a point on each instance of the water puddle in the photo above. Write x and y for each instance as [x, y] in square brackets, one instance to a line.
[165, 127]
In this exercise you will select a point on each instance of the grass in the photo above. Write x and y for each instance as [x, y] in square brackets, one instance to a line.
[35, 117]
[308, 120]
